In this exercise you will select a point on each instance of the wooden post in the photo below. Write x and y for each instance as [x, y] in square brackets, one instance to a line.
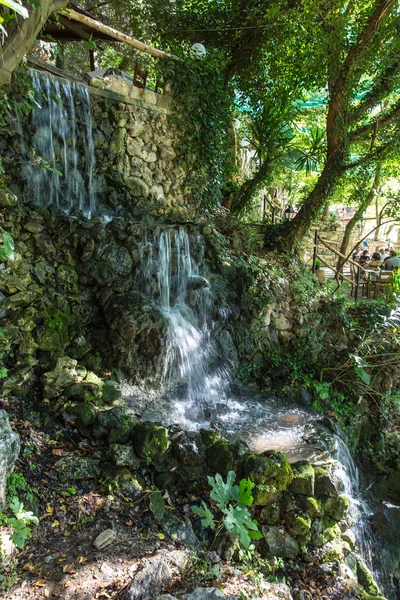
[357, 284]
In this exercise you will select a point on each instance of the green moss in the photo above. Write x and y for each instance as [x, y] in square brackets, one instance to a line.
[336, 508]
[220, 457]
[150, 441]
[311, 506]
[298, 525]
[303, 479]
[271, 472]
[365, 578]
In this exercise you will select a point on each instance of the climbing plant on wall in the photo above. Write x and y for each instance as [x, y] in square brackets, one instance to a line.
[202, 116]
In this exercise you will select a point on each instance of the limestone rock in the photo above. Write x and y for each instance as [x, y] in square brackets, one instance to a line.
[325, 483]
[303, 479]
[278, 542]
[64, 374]
[123, 478]
[105, 539]
[181, 531]
[209, 593]
[77, 468]
[336, 508]
[154, 574]
[137, 187]
[9, 451]
[115, 424]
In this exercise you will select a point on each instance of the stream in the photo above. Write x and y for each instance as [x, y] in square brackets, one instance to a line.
[198, 390]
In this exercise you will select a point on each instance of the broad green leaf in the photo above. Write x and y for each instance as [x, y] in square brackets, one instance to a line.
[245, 488]
[221, 491]
[16, 7]
[237, 520]
[206, 514]
[363, 375]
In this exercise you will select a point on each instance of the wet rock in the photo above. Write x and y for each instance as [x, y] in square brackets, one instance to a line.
[150, 441]
[303, 479]
[271, 472]
[220, 457]
[393, 483]
[325, 483]
[188, 449]
[336, 508]
[154, 574]
[324, 530]
[76, 468]
[110, 392]
[105, 539]
[9, 451]
[349, 537]
[278, 542]
[123, 456]
[7, 198]
[196, 282]
[365, 578]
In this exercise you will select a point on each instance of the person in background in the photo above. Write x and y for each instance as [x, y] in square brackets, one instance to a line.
[393, 261]
[384, 253]
[364, 258]
[376, 260]
[356, 253]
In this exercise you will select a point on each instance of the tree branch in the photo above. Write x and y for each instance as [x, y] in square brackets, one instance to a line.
[370, 157]
[384, 121]
[382, 87]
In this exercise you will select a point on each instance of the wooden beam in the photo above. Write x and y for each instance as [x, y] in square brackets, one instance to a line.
[117, 35]
[334, 270]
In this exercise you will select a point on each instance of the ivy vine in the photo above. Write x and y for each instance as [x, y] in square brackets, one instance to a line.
[202, 116]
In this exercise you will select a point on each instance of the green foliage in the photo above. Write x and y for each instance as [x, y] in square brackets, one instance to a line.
[202, 117]
[232, 501]
[20, 522]
[6, 251]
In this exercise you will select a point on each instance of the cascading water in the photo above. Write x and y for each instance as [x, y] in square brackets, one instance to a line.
[58, 156]
[196, 380]
[197, 385]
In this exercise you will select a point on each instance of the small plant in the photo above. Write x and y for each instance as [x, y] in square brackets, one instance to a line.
[232, 501]
[20, 522]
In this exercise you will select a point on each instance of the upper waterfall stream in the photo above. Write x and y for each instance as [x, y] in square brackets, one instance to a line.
[57, 148]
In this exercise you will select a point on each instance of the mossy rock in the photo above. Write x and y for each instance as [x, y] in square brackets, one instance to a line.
[64, 374]
[77, 468]
[122, 478]
[325, 483]
[270, 514]
[298, 525]
[208, 437]
[150, 440]
[349, 537]
[365, 579]
[220, 457]
[114, 424]
[336, 508]
[270, 471]
[123, 455]
[110, 392]
[278, 542]
[324, 530]
[83, 412]
[311, 506]
[303, 479]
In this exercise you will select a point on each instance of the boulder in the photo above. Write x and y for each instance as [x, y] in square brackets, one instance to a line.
[324, 530]
[115, 424]
[77, 468]
[336, 508]
[303, 478]
[209, 593]
[278, 542]
[151, 441]
[325, 483]
[64, 374]
[9, 451]
[154, 574]
[181, 531]
[270, 471]
[123, 455]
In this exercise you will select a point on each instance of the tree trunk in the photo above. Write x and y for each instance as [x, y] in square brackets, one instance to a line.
[318, 198]
[250, 187]
[21, 36]
[356, 218]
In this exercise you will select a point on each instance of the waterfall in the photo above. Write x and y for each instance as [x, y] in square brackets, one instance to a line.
[57, 149]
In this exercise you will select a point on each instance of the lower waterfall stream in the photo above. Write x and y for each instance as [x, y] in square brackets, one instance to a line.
[198, 390]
